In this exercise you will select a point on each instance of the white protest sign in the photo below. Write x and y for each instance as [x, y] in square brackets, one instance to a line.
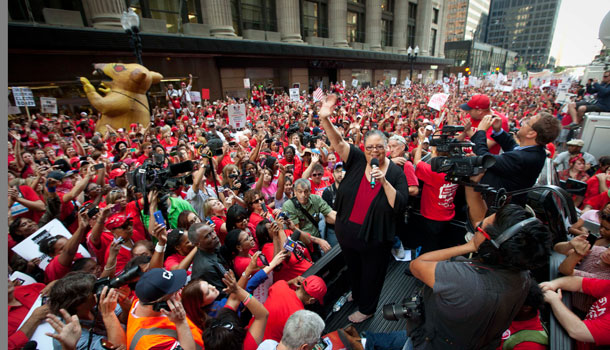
[294, 95]
[445, 80]
[419, 76]
[354, 82]
[246, 83]
[13, 109]
[48, 105]
[563, 97]
[446, 88]
[22, 277]
[237, 115]
[460, 75]
[343, 83]
[393, 80]
[407, 83]
[563, 87]
[23, 97]
[506, 88]
[43, 341]
[29, 248]
[437, 101]
[195, 96]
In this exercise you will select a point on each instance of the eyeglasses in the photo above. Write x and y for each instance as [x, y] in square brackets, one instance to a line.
[605, 76]
[316, 175]
[372, 147]
[256, 200]
[225, 325]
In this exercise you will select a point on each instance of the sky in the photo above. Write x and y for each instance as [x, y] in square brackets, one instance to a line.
[576, 40]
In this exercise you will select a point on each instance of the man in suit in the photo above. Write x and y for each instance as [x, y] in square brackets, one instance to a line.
[520, 164]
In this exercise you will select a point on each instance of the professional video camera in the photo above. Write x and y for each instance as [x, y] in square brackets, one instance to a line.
[457, 165]
[126, 277]
[153, 176]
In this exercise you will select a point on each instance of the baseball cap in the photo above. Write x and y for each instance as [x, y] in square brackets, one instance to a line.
[314, 286]
[116, 220]
[476, 102]
[576, 142]
[429, 127]
[83, 114]
[157, 283]
[426, 141]
[338, 165]
[116, 173]
[307, 150]
[57, 175]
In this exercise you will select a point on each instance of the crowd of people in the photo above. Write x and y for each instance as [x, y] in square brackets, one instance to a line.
[219, 224]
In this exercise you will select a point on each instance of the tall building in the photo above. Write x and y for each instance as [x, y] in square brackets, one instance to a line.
[223, 42]
[466, 19]
[524, 26]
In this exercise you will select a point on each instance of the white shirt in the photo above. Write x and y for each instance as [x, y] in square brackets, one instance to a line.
[268, 344]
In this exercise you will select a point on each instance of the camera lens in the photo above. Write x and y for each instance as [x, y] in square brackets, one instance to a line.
[394, 312]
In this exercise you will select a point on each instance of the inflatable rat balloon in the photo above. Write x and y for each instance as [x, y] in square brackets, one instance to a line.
[124, 87]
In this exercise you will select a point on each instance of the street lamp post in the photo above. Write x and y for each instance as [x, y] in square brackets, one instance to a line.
[411, 58]
[131, 24]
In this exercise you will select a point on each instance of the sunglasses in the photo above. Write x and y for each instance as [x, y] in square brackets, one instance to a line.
[316, 175]
[256, 200]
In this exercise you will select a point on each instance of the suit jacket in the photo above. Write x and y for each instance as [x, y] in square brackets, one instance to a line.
[515, 169]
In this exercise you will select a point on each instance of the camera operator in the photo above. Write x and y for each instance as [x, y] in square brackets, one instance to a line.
[469, 303]
[174, 206]
[157, 319]
[519, 166]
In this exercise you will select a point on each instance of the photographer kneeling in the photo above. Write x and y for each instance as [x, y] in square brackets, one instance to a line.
[468, 304]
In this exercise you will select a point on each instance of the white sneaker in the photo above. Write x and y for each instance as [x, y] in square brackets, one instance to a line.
[399, 252]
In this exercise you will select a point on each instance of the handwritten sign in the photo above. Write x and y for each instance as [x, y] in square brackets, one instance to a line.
[294, 95]
[23, 97]
[438, 101]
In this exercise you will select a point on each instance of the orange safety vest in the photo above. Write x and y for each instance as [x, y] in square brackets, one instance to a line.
[144, 333]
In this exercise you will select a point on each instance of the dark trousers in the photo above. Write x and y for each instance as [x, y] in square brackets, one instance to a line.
[367, 264]
[433, 235]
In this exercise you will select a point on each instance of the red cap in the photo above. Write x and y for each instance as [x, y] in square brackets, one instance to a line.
[116, 220]
[74, 160]
[116, 172]
[476, 102]
[315, 287]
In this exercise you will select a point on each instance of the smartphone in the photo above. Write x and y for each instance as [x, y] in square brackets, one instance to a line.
[116, 208]
[119, 240]
[112, 183]
[263, 260]
[133, 150]
[106, 344]
[209, 221]
[91, 213]
[160, 305]
[290, 245]
[226, 192]
[98, 166]
[592, 238]
[159, 217]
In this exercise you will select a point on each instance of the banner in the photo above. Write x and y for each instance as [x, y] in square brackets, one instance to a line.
[23, 97]
[438, 101]
[205, 94]
[48, 105]
[237, 115]
[294, 95]
[29, 248]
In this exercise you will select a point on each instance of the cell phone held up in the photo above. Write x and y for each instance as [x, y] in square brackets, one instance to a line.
[159, 217]
[591, 238]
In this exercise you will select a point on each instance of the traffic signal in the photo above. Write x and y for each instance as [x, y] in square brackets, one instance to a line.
[497, 70]
[467, 70]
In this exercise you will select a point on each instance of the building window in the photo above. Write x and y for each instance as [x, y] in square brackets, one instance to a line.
[411, 35]
[412, 11]
[386, 33]
[354, 21]
[387, 5]
[433, 42]
[315, 19]
[435, 16]
[255, 14]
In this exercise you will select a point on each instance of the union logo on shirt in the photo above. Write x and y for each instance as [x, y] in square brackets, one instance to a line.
[597, 309]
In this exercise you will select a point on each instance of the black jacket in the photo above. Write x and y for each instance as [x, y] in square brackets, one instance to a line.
[515, 169]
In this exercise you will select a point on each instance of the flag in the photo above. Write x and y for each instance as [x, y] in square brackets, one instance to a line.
[318, 95]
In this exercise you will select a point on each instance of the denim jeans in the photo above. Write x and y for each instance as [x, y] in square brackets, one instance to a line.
[331, 237]
[397, 340]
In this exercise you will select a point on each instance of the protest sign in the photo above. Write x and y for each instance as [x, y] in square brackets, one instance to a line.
[195, 96]
[246, 83]
[48, 105]
[294, 95]
[205, 94]
[437, 101]
[354, 82]
[29, 248]
[237, 115]
[39, 336]
[23, 97]
[393, 80]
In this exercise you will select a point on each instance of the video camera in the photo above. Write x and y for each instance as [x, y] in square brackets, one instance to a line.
[153, 176]
[457, 165]
[125, 278]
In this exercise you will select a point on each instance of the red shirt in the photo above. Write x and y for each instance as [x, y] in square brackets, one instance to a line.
[105, 239]
[598, 201]
[29, 194]
[65, 210]
[364, 198]
[291, 268]
[281, 304]
[475, 124]
[593, 187]
[319, 188]
[218, 221]
[516, 326]
[26, 295]
[55, 270]
[598, 317]
[437, 194]
[175, 260]
[131, 210]
[121, 259]
[298, 167]
[410, 174]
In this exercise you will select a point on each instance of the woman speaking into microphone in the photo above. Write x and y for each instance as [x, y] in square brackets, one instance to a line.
[366, 231]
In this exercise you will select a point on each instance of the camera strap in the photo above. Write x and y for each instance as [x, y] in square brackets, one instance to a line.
[305, 212]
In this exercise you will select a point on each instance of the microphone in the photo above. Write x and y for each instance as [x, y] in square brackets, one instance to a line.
[374, 165]
[179, 168]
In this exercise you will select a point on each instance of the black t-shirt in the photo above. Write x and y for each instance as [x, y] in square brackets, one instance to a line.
[471, 305]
